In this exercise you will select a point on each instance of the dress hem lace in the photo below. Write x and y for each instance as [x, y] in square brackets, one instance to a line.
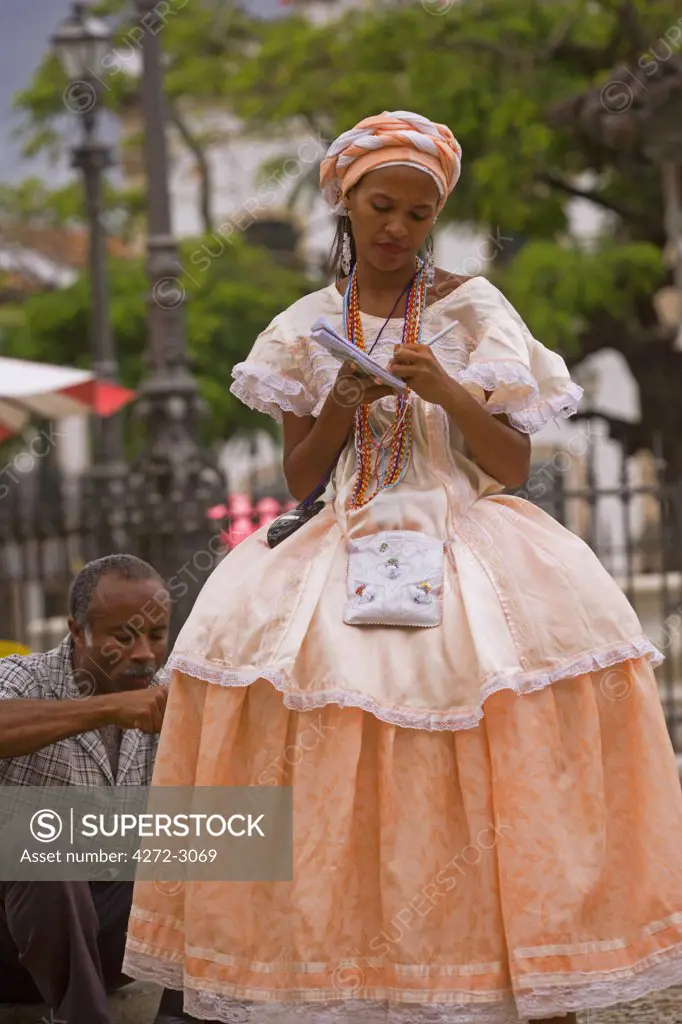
[567, 994]
[429, 720]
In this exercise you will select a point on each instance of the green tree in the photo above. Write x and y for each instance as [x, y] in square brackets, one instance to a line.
[228, 304]
[31, 203]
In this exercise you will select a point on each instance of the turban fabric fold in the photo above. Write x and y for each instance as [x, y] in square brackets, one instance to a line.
[395, 137]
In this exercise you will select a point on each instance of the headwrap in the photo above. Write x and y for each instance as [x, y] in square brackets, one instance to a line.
[393, 138]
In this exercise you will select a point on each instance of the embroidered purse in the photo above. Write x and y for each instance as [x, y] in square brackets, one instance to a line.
[395, 578]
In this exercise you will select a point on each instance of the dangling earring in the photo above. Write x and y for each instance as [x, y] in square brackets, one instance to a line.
[346, 253]
[429, 263]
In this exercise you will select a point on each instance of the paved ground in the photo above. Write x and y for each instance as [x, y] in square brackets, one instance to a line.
[138, 1004]
[666, 1008]
[135, 1005]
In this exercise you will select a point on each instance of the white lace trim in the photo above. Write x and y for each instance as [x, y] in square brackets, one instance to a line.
[493, 373]
[431, 721]
[259, 387]
[554, 407]
[363, 1011]
[559, 994]
[145, 967]
[201, 1003]
[532, 409]
[552, 996]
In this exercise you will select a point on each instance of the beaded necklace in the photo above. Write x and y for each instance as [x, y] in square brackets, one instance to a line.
[394, 447]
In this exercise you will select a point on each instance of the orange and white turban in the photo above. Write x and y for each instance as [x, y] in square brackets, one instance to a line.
[393, 138]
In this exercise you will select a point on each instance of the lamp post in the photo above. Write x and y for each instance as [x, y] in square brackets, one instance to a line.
[174, 481]
[81, 43]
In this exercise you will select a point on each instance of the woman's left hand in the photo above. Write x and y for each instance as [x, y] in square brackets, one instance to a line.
[421, 371]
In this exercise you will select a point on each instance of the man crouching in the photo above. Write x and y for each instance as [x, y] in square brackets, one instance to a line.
[62, 943]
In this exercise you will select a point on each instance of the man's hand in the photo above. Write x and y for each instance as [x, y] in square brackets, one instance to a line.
[353, 388]
[139, 709]
[30, 725]
[421, 371]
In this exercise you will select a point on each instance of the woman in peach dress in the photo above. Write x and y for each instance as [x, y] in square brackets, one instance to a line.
[487, 813]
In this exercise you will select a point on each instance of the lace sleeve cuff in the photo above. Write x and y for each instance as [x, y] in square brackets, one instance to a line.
[509, 371]
[514, 391]
[263, 389]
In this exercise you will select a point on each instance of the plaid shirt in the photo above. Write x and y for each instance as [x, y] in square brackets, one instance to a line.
[78, 760]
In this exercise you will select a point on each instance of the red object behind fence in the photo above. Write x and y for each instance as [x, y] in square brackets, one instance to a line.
[242, 518]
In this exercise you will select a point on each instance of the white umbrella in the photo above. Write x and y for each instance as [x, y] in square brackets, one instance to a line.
[50, 392]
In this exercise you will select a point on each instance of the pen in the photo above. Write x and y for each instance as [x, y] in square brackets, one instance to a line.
[441, 334]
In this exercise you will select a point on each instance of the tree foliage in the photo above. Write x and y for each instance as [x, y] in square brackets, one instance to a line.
[33, 204]
[228, 304]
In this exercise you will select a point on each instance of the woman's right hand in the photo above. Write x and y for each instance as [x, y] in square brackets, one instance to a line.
[353, 389]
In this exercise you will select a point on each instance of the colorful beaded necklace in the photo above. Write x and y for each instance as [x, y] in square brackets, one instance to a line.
[394, 447]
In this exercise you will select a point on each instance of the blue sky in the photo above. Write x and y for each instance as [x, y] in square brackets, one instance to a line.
[25, 30]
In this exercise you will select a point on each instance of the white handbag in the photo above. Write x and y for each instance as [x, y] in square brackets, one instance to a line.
[395, 578]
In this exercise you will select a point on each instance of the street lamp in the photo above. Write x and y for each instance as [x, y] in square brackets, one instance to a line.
[174, 482]
[81, 43]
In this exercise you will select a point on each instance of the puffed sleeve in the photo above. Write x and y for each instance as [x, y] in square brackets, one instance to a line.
[271, 378]
[524, 379]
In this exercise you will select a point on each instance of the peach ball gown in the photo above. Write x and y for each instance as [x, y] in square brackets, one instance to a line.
[487, 814]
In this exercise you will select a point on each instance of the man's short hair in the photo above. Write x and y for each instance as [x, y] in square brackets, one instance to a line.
[127, 567]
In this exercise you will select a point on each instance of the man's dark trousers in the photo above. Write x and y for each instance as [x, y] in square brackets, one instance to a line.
[62, 943]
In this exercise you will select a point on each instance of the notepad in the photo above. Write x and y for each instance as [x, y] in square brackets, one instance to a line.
[324, 334]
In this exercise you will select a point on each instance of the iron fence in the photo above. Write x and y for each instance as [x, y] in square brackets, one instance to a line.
[634, 527]
[51, 525]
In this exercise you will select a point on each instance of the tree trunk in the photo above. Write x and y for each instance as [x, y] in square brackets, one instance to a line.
[203, 168]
